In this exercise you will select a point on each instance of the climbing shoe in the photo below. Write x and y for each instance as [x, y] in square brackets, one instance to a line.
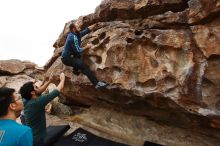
[76, 72]
[101, 85]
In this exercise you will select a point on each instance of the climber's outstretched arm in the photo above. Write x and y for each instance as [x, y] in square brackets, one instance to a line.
[62, 80]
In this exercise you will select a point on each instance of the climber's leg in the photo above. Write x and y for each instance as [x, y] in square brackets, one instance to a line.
[69, 62]
[79, 64]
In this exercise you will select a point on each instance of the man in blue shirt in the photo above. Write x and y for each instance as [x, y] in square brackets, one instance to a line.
[72, 53]
[12, 133]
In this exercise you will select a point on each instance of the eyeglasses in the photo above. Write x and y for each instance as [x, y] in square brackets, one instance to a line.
[19, 98]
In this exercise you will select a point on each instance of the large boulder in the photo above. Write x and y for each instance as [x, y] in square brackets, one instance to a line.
[12, 67]
[135, 130]
[17, 81]
[3, 81]
[195, 12]
[14, 73]
[111, 10]
[163, 64]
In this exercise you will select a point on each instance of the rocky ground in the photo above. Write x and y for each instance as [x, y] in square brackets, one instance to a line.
[117, 129]
[110, 125]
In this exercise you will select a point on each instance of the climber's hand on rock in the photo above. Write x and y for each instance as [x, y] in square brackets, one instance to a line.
[62, 81]
[46, 78]
[34, 81]
[100, 25]
[88, 46]
[62, 76]
[93, 27]
[51, 78]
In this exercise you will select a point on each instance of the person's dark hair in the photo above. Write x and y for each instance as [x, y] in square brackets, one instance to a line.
[5, 99]
[71, 26]
[26, 90]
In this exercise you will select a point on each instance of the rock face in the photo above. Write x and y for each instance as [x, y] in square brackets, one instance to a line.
[12, 67]
[135, 130]
[14, 73]
[16, 81]
[160, 57]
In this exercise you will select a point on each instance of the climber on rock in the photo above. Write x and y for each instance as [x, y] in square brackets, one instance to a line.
[71, 55]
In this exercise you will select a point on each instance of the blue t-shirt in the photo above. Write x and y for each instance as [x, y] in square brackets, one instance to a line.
[14, 134]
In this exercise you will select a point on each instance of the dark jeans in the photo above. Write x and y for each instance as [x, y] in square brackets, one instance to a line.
[78, 64]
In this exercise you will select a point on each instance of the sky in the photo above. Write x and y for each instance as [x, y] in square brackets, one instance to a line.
[29, 28]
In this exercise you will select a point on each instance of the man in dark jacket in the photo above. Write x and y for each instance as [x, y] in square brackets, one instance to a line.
[34, 109]
[72, 53]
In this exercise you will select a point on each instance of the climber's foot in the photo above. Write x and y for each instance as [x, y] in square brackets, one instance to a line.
[101, 85]
[76, 72]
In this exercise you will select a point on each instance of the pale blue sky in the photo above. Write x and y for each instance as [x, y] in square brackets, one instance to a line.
[28, 28]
